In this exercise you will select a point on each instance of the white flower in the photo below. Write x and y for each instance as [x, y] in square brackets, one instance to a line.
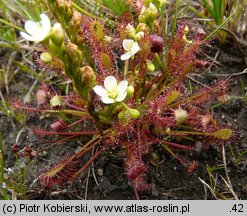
[131, 47]
[112, 92]
[37, 31]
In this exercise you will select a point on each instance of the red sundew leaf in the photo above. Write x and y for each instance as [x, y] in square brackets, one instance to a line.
[59, 173]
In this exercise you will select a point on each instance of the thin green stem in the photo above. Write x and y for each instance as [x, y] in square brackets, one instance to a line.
[157, 58]
[198, 13]
[82, 10]
[218, 28]
[162, 14]
[124, 106]
[11, 25]
[175, 18]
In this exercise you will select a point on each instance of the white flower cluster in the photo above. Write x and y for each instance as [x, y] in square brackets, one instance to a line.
[112, 92]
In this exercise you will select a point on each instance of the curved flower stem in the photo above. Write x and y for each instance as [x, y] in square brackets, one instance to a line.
[124, 106]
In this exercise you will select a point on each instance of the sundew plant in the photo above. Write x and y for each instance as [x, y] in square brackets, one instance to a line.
[126, 76]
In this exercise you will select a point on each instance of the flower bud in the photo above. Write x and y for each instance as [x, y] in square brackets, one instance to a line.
[133, 33]
[57, 34]
[148, 15]
[65, 9]
[124, 116]
[142, 27]
[56, 102]
[130, 91]
[121, 115]
[74, 55]
[181, 115]
[46, 57]
[150, 66]
[88, 77]
[134, 113]
[80, 38]
[75, 22]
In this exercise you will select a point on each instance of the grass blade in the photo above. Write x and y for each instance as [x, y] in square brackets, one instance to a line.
[175, 18]
[218, 28]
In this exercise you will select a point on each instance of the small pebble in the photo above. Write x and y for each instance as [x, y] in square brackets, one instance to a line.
[100, 172]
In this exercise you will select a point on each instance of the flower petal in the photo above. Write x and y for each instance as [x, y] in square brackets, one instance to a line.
[27, 36]
[121, 97]
[135, 49]
[45, 22]
[125, 56]
[99, 90]
[107, 100]
[122, 87]
[127, 44]
[31, 27]
[110, 83]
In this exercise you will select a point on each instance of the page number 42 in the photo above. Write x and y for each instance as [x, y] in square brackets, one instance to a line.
[237, 208]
